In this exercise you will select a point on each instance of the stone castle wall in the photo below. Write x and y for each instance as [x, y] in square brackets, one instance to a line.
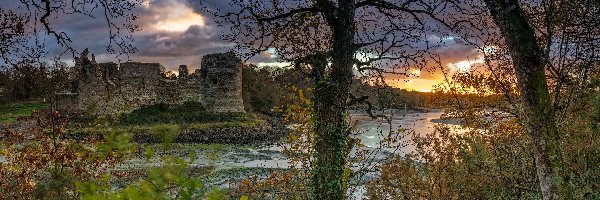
[221, 83]
[108, 88]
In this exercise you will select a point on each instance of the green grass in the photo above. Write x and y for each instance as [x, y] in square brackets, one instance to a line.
[11, 111]
[188, 113]
[167, 121]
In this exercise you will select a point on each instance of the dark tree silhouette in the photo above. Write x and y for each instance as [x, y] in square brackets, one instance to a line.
[558, 46]
[24, 20]
[330, 37]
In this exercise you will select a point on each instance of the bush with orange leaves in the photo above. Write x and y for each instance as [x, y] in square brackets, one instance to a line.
[493, 160]
[450, 165]
[40, 160]
[292, 183]
[278, 185]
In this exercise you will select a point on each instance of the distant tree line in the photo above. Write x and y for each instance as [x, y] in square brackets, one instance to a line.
[265, 88]
[385, 97]
[28, 80]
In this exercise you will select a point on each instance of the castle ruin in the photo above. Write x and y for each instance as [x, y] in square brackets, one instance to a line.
[109, 88]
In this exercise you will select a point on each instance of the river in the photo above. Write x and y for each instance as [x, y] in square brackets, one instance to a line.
[372, 131]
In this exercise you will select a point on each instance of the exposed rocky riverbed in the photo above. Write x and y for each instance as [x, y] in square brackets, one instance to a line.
[243, 161]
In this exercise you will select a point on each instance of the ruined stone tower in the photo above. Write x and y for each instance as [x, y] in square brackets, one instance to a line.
[221, 76]
[108, 88]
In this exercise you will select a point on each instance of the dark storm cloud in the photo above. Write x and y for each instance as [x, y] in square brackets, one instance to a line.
[194, 40]
[188, 44]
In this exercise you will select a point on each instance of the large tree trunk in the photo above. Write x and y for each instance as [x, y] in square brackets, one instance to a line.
[538, 115]
[331, 110]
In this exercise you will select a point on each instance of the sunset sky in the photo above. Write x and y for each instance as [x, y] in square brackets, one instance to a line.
[176, 32]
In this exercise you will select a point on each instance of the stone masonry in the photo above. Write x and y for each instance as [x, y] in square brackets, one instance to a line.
[109, 88]
[221, 82]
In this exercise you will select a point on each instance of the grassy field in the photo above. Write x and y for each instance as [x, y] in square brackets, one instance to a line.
[11, 111]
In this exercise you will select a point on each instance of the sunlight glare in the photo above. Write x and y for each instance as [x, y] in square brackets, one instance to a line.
[414, 72]
[465, 65]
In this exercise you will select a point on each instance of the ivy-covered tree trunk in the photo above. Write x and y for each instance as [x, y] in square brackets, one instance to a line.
[538, 115]
[331, 95]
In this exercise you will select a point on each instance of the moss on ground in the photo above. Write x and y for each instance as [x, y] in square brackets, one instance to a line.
[11, 111]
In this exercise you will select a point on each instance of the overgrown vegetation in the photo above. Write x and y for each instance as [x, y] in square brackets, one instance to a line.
[493, 162]
[39, 163]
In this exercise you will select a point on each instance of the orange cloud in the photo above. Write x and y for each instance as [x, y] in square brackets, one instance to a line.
[175, 17]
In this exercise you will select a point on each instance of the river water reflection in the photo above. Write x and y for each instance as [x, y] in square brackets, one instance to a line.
[372, 131]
